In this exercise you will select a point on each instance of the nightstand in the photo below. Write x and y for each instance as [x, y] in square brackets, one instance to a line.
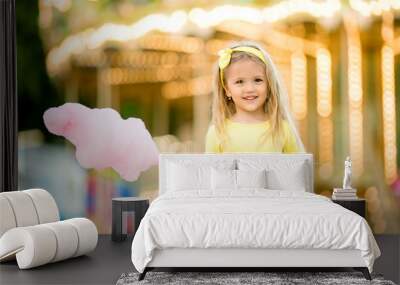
[123, 207]
[356, 205]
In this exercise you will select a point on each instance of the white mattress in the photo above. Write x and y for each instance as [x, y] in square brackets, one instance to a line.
[252, 218]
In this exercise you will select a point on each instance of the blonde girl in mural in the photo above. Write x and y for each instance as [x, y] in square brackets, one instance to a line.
[250, 111]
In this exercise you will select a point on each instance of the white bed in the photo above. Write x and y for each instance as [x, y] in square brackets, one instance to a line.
[201, 220]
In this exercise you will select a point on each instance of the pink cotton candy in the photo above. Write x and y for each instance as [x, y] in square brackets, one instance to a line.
[103, 139]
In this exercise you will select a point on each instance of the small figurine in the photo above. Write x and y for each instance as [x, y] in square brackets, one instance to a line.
[347, 174]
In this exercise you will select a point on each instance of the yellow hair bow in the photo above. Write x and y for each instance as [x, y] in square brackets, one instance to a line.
[226, 54]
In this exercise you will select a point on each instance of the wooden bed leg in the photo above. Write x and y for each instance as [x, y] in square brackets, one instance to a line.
[364, 271]
[143, 274]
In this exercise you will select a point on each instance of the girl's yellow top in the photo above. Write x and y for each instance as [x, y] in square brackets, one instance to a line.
[248, 137]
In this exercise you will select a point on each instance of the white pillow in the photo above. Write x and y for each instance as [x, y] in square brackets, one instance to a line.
[251, 178]
[282, 174]
[188, 177]
[223, 179]
[227, 179]
[187, 174]
[293, 180]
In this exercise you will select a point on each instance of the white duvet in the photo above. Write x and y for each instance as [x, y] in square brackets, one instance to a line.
[252, 218]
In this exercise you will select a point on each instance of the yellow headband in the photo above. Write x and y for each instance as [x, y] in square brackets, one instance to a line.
[225, 58]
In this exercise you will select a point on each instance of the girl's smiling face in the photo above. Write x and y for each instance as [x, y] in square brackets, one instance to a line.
[246, 85]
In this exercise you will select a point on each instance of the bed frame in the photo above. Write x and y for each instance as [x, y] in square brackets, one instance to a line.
[247, 258]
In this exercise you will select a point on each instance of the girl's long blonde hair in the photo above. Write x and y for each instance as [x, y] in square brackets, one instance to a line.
[276, 105]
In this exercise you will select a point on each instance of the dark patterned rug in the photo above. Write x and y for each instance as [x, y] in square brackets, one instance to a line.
[229, 278]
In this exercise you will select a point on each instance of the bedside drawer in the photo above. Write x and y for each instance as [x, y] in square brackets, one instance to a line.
[357, 206]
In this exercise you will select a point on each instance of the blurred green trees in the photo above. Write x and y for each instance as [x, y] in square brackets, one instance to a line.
[36, 93]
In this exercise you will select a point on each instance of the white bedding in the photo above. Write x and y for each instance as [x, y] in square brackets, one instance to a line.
[251, 218]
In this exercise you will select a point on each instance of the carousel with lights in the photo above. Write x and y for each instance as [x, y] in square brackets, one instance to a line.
[339, 60]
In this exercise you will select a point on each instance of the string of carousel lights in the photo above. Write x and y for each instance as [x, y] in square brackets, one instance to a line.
[93, 38]
[324, 110]
[355, 95]
[388, 100]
